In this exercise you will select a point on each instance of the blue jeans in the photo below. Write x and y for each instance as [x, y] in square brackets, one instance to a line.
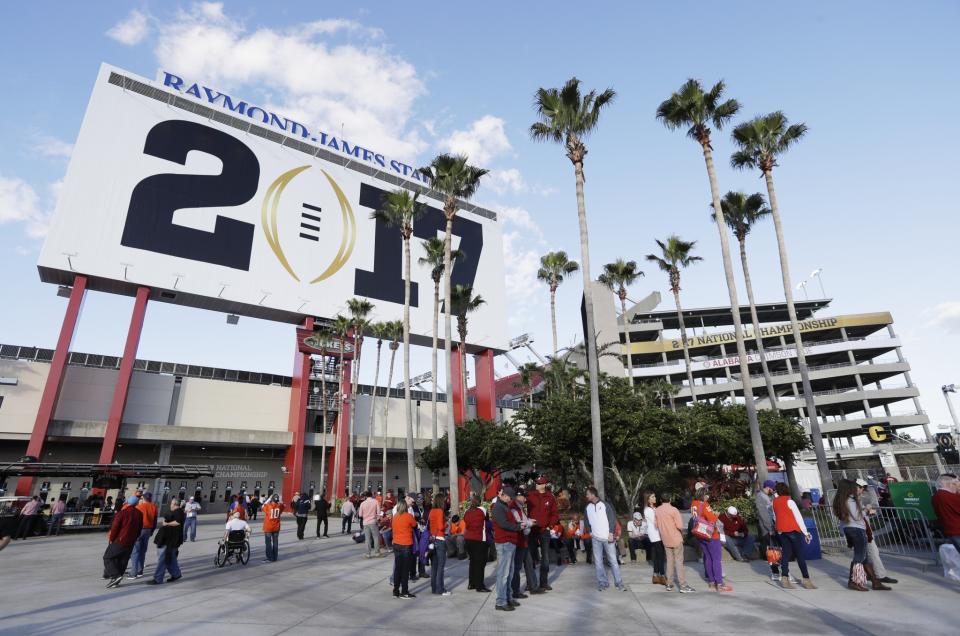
[858, 537]
[190, 526]
[740, 547]
[505, 555]
[793, 545]
[56, 521]
[599, 547]
[139, 555]
[436, 568]
[167, 561]
[272, 542]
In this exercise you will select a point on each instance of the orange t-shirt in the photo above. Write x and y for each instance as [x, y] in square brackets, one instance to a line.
[437, 524]
[458, 528]
[403, 525]
[571, 530]
[271, 517]
[149, 512]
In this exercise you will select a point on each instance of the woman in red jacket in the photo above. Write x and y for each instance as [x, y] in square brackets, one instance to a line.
[712, 548]
[475, 521]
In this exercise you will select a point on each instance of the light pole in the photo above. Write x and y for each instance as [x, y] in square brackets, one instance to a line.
[803, 285]
[951, 388]
[817, 274]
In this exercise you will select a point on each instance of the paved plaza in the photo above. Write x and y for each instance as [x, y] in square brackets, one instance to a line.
[325, 586]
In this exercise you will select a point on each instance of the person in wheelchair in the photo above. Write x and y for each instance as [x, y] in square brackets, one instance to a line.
[235, 541]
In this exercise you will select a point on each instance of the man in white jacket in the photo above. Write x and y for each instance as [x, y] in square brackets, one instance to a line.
[601, 522]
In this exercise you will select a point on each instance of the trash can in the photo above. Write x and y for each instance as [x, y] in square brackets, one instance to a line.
[812, 550]
[815, 495]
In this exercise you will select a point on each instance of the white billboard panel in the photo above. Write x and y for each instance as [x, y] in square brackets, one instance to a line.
[211, 208]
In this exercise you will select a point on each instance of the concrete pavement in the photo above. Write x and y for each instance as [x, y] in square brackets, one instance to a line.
[322, 586]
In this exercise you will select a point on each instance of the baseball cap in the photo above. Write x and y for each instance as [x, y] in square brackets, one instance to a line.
[148, 496]
[509, 491]
[732, 510]
[637, 515]
[861, 483]
[542, 479]
[133, 500]
[769, 484]
[276, 497]
[521, 493]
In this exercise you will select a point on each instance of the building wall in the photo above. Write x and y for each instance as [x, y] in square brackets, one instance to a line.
[21, 402]
[87, 393]
[214, 403]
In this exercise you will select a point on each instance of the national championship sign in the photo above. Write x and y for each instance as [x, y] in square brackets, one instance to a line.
[216, 203]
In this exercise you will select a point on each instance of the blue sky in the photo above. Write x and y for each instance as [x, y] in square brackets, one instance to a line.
[867, 195]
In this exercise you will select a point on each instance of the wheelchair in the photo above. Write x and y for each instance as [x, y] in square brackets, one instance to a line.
[235, 546]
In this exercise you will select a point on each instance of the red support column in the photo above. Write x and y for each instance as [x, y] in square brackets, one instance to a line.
[459, 400]
[122, 387]
[51, 390]
[297, 419]
[337, 469]
[486, 394]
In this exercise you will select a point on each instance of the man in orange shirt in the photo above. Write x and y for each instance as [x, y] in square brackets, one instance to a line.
[457, 528]
[271, 527]
[149, 512]
[438, 526]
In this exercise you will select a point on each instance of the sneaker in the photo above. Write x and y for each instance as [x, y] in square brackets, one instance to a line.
[447, 593]
[504, 608]
[174, 578]
[724, 588]
[686, 589]
[115, 581]
[546, 587]
[264, 560]
[669, 587]
[408, 595]
[396, 594]
[623, 588]
[520, 596]
[774, 578]
[538, 591]
[154, 582]
[132, 577]
[513, 603]
[601, 588]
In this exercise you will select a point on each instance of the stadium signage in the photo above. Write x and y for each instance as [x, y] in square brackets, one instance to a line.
[765, 332]
[261, 115]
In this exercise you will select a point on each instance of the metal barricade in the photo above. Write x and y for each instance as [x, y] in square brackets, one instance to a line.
[900, 531]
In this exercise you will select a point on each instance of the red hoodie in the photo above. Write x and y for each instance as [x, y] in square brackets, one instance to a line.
[542, 508]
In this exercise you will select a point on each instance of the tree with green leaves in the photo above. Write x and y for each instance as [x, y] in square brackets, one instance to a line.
[341, 327]
[393, 332]
[675, 254]
[377, 330]
[485, 451]
[762, 141]
[567, 117]
[359, 309]
[456, 181]
[400, 209]
[462, 304]
[694, 109]
[434, 259]
[742, 213]
[527, 372]
[617, 276]
[554, 266]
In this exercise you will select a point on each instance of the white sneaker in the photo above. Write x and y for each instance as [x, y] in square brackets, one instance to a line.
[446, 594]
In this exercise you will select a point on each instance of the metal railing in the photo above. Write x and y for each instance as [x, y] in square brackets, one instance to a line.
[900, 531]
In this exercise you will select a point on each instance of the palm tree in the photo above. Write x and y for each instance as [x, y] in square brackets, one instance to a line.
[742, 212]
[527, 372]
[377, 330]
[456, 181]
[617, 276]
[434, 249]
[394, 331]
[400, 209]
[553, 267]
[695, 109]
[463, 302]
[341, 327]
[675, 254]
[323, 334]
[359, 309]
[762, 141]
[567, 117]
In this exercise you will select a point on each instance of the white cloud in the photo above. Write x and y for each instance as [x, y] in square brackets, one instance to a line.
[502, 181]
[19, 203]
[131, 30]
[52, 147]
[946, 316]
[483, 141]
[520, 218]
[358, 85]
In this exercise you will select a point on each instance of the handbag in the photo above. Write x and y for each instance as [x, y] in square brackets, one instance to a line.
[773, 555]
[701, 528]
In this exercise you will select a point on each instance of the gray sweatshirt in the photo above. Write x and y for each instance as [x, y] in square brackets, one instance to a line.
[765, 515]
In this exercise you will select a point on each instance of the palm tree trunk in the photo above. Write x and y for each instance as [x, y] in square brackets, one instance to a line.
[373, 418]
[795, 493]
[386, 410]
[337, 455]
[590, 336]
[358, 345]
[407, 402]
[323, 415]
[626, 339]
[767, 378]
[454, 471]
[826, 478]
[463, 369]
[683, 341]
[433, 395]
[553, 317]
[759, 457]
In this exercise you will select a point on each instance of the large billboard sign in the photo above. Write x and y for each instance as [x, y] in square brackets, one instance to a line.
[219, 204]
